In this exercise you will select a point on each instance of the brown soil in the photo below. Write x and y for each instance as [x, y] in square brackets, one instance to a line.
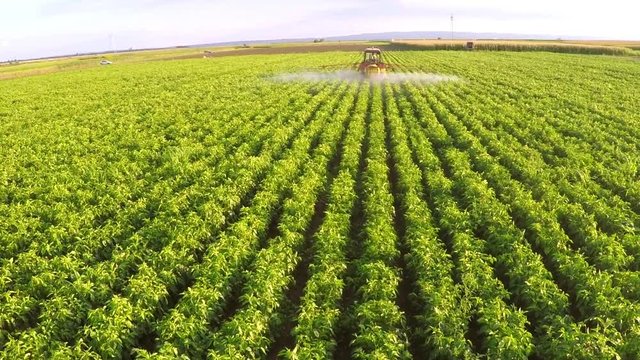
[296, 49]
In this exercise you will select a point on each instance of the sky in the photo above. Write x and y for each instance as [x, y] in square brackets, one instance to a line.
[36, 28]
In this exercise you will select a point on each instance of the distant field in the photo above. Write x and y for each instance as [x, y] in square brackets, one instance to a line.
[621, 43]
[47, 66]
[623, 48]
[196, 208]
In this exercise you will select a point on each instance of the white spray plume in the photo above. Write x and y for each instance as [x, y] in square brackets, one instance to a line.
[354, 76]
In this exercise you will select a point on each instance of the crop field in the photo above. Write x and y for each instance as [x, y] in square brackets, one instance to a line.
[611, 47]
[207, 208]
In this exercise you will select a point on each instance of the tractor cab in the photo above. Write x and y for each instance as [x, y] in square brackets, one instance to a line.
[372, 63]
[372, 55]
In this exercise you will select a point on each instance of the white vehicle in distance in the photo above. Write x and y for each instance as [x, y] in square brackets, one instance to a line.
[105, 62]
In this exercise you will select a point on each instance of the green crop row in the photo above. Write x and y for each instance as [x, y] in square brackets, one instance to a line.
[501, 326]
[320, 304]
[249, 332]
[379, 324]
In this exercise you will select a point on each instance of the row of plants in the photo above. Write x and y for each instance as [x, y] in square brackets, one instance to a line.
[378, 323]
[319, 312]
[133, 218]
[614, 251]
[97, 287]
[443, 312]
[602, 249]
[523, 272]
[213, 279]
[599, 224]
[98, 279]
[250, 332]
[570, 138]
[594, 297]
[88, 171]
[588, 129]
[502, 329]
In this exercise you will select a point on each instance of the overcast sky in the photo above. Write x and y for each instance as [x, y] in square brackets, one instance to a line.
[33, 28]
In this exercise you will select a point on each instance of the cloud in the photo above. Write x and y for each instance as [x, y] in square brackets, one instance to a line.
[70, 25]
[422, 9]
[66, 7]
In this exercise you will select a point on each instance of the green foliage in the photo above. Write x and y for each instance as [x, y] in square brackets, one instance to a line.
[197, 208]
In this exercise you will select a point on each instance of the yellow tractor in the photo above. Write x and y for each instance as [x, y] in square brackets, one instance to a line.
[372, 64]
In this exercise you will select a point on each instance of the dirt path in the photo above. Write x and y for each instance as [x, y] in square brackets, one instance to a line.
[296, 49]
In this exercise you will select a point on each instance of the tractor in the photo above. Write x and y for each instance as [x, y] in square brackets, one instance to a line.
[372, 64]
